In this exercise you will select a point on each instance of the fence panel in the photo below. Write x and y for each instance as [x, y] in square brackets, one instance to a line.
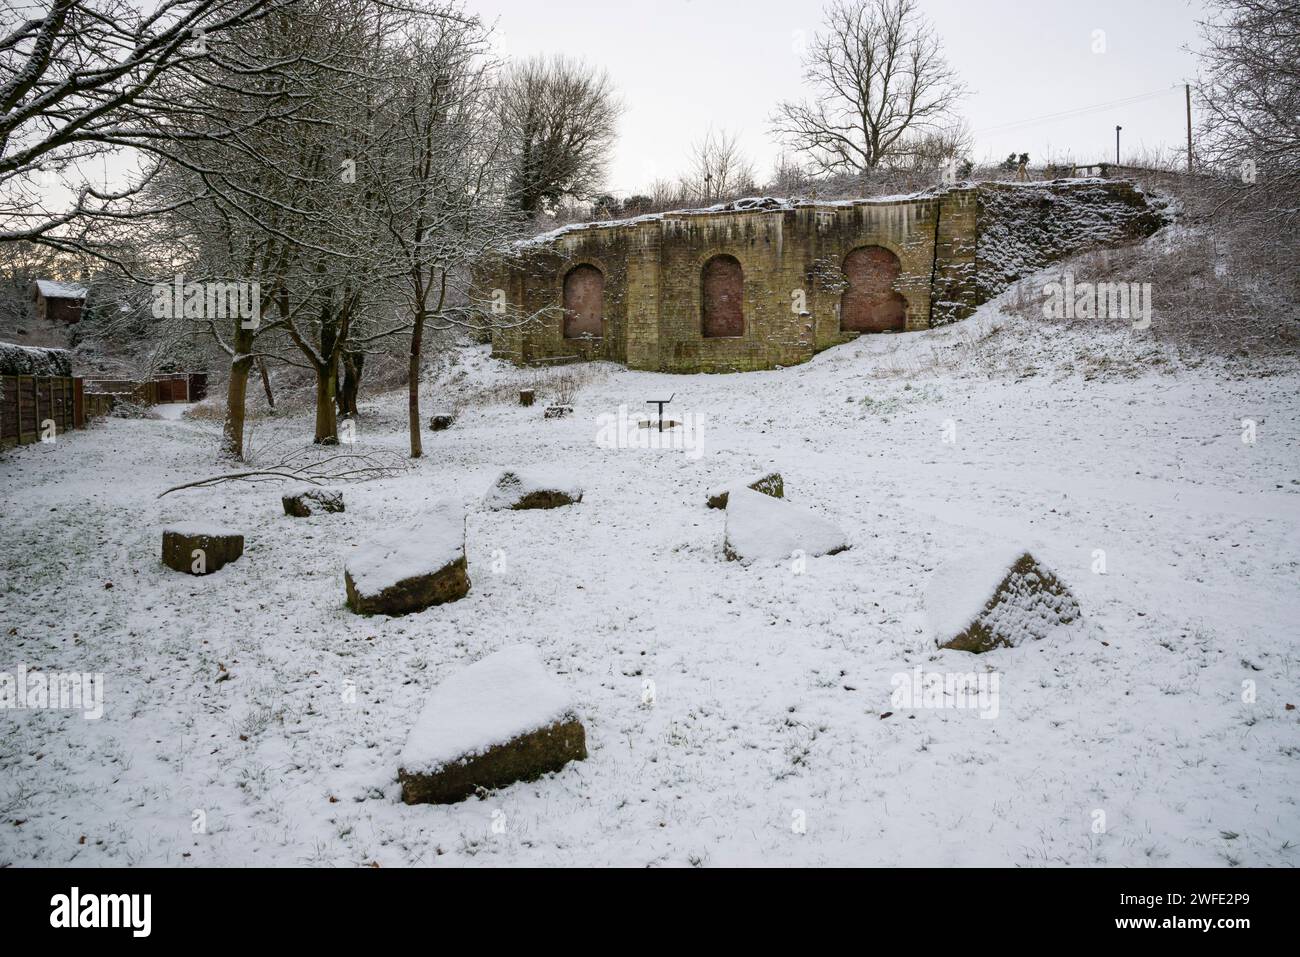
[171, 387]
[9, 425]
[97, 404]
[28, 402]
[28, 418]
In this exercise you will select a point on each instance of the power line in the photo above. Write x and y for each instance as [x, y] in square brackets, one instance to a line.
[1078, 111]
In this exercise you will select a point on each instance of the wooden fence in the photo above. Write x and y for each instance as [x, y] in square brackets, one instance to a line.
[33, 406]
[178, 387]
[124, 390]
[36, 406]
[95, 405]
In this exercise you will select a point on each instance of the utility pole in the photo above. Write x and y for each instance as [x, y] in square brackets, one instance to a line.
[1117, 129]
[1187, 88]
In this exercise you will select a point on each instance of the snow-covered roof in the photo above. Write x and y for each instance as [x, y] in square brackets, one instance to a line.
[51, 289]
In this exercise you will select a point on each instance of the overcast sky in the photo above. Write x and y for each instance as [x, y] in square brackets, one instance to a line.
[683, 65]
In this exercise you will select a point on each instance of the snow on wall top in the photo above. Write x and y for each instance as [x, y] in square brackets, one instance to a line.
[747, 205]
[427, 546]
[496, 699]
[28, 360]
[51, 289]
[1033, 192]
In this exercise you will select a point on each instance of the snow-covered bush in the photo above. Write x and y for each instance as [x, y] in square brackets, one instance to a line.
[28, 360]
[128, 409]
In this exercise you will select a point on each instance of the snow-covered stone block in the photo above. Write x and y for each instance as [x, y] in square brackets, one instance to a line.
[769, 483]
[304, 501]
[200, 548]
[412, 568]
[999, 597]
[760, 527]
[503, 719]
[532, 488]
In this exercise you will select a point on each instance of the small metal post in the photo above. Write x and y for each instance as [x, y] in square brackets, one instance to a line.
[661, 403]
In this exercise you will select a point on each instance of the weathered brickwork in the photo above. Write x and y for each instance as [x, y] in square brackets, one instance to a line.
[792, 259]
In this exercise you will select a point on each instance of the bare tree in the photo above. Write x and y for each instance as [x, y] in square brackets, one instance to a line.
[340, 154]
[789, 178]
[719, 169]
[927, 151]
[1250, 102]
[667, 194]
[879, 73]
[444, 184]
[21, 264]
[78, 82]
[560, 117]
[291, 205]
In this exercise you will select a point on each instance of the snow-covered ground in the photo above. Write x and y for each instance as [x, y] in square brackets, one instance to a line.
[734, 714]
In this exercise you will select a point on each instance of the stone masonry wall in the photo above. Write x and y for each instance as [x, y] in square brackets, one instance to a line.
[956, 248]
[1023, 227]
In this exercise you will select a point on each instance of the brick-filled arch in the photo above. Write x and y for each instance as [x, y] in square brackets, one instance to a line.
[584, 302]
[870, 303]
[722, 284]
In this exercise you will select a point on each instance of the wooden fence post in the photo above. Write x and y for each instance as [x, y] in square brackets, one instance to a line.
[25, 384]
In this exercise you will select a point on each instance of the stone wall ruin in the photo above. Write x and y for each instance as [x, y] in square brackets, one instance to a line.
[759, 284]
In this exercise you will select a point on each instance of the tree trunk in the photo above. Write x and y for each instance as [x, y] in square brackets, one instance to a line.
[266, 384]
[353, 366]
[327, 381]
[232, 433]
[327, 423]
[413, 384]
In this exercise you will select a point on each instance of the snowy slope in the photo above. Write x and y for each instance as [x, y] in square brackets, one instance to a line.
[734, 715]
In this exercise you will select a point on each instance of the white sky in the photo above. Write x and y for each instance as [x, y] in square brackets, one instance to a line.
[683, 65]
